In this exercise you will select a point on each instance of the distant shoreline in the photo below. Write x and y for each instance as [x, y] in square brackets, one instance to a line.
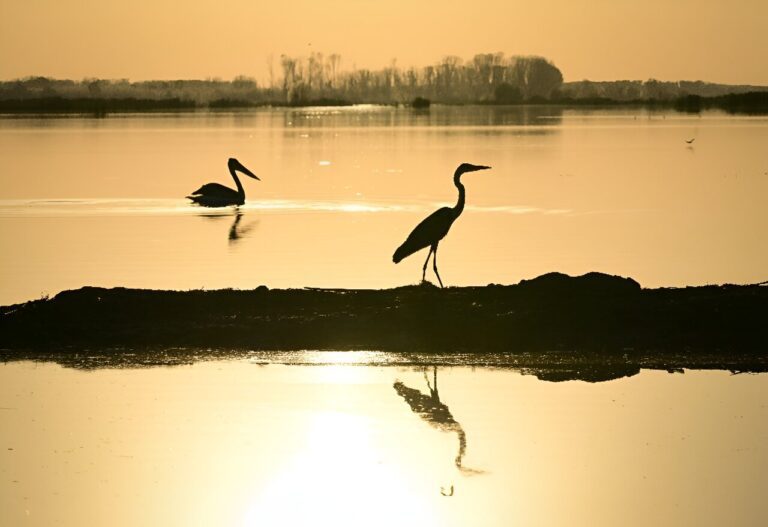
[750, 103]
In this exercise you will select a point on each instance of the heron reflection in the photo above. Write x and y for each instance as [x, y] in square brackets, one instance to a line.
[432, 410]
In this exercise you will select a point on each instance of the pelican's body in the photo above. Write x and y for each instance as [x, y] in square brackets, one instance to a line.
[434, 227]
[216, 195]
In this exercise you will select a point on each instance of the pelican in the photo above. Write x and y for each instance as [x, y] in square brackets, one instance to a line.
[216, 195]
[434, 227]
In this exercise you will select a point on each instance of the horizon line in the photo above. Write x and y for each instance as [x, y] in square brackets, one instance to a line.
[262, 83]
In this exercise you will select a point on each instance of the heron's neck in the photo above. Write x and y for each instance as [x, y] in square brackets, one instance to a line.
[237, 182]
[462, 445]
[460, 203]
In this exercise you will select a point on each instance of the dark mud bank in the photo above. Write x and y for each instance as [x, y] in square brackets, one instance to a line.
[593, 313]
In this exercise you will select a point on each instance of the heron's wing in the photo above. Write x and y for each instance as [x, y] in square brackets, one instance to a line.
[213, 190]
[430, 231]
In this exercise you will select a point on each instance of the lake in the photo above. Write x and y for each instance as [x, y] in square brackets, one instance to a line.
[100, 201]
[363, 438]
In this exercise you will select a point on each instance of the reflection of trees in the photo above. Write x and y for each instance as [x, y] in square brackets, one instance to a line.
[431, 409]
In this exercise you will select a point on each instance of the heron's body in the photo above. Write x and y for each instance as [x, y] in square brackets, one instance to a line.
[217, 195]
[430, 231]
[435, 227]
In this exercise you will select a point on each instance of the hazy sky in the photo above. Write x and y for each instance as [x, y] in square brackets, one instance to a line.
[714, 40]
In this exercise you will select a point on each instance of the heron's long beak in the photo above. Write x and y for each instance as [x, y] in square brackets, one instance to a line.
[480, 167]
[234, 164]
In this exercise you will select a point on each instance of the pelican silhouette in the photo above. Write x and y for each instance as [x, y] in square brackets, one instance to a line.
[434, 227]
[216, 195]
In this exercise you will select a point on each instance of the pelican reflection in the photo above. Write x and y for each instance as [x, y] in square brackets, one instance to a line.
[236, 231]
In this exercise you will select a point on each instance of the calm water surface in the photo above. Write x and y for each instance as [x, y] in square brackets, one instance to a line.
[361, 438]
[358, 439]
[88, 201]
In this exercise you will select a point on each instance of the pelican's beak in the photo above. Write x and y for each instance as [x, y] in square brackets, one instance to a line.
[234, 164]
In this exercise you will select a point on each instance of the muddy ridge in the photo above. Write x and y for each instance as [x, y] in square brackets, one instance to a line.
[594, 313]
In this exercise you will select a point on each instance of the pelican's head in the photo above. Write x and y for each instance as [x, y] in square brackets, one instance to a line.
[234, 164]
[468, 167]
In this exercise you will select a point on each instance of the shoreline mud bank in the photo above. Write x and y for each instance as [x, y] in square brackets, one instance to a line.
[596, 315]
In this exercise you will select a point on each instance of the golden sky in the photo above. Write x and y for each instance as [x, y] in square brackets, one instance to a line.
[713, 40]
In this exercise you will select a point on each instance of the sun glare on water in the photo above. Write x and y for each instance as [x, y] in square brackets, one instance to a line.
[339, 478]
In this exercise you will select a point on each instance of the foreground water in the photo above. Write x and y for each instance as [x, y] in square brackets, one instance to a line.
[366, 439]
[88, 201]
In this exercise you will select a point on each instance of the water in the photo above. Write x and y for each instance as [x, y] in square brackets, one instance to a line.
[359, 439]
[88, 201]
[366, 438]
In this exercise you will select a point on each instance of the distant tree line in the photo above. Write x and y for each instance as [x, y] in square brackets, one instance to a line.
[684, 96]
[178, 92]
[91, 105]
[650, 90]
[318, 79]
[488, 78]
[451, 80]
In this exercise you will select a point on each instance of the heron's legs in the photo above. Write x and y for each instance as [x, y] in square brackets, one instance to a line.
[434, 264]
[432, 387]
[426, 378]
[424, 269]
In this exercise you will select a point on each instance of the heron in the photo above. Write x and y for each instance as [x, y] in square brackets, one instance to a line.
[690, 141]
[434, 227]
[216, 195]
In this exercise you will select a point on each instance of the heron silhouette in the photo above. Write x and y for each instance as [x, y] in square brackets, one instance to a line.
[434, 227]
[216, 195]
